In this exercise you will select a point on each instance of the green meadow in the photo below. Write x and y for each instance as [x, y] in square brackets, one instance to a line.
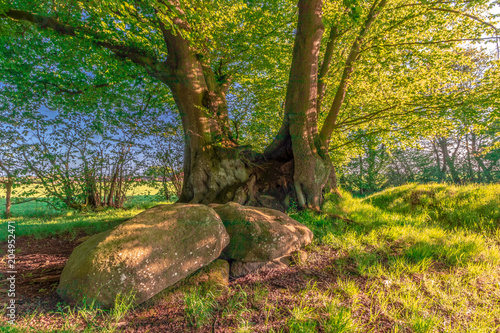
[39, 219]
[416, 258]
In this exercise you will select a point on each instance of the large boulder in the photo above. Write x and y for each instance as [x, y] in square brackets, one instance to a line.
[144, 255]
[213, 277]
[261, 234]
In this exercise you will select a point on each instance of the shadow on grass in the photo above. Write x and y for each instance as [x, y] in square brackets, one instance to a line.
[472, 207]
[41, 220]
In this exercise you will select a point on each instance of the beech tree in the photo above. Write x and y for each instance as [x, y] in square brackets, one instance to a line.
[389, 60]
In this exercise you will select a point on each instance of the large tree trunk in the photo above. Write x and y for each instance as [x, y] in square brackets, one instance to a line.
[213, 165]
[300, 129]
[215, 168]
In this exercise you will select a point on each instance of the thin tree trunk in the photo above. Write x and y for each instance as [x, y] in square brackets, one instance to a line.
[109, 201]
[325, 66]
[360, 178]
[449, 161]
[331, 119]
[436, 153]
[8, 189]
[331, 185]
[441, 169]
[469, 160]
[486, 172]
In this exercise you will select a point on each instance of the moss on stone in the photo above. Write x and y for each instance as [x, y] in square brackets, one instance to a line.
[213, 276]
[144, 255]
[260, 234]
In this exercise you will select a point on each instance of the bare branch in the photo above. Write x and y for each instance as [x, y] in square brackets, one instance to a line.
[431, 42]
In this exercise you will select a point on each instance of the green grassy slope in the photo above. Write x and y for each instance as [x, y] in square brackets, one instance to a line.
[475, 207]
[426, 256]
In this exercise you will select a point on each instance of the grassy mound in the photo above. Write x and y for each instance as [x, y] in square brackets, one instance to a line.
[417, 258]
[475, 207]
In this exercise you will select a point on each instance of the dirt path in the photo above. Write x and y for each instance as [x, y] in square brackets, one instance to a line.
[39, 263]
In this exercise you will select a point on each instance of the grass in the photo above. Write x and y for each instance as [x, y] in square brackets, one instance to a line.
[41, 220]
[199, 307]
[427, 257]
[87, 318]
[417, 258]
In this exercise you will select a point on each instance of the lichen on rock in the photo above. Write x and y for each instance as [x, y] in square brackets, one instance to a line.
[260, 234]
[144, 255]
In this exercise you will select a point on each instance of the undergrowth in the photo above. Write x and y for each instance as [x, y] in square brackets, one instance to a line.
[85, 318]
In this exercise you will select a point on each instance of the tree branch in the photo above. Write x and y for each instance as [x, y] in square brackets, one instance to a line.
[134, 54]
[77, 92]
[475, 18]
[325, 66]
[424, 4]
[331, 118]
[430, 42]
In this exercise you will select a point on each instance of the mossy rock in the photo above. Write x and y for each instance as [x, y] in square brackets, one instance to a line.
[214, 276]
[260, 234]
[217, 273]
[144, 255]
[240, 268]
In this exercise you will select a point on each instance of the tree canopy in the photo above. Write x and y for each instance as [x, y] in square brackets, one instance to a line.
[393, 70]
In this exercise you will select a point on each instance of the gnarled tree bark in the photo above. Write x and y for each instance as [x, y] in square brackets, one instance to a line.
[215, 168]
